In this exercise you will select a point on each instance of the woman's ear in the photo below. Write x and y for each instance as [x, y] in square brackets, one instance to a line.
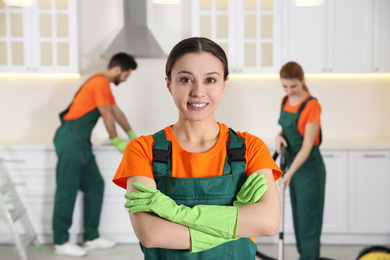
[224, 83]
[168, 85]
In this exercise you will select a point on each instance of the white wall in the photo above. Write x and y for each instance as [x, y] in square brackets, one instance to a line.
[352, 108]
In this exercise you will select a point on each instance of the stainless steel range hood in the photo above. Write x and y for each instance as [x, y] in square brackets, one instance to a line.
[135, 37]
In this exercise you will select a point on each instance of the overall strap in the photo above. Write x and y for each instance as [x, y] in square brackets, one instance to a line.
[304, 103]
[303, 106]
[236, 153]
[284, 101]
[162, 154]
[63, 113]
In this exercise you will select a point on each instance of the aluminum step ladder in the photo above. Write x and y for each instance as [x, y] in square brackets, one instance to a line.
[14, 214]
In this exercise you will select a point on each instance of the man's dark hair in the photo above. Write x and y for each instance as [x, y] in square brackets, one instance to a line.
[123, 60]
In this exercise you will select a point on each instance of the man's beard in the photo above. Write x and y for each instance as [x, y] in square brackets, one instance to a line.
[117, 80]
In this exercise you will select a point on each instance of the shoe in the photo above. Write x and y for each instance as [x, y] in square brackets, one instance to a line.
[69, 249]
[99, 243]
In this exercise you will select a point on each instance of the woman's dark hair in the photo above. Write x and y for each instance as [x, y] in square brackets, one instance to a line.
[123, 60]
[196, 45]
[292, 70]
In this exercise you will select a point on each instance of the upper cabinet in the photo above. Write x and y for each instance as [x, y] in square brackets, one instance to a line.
[381, 37]
[246, 30]
[41, 38]
[259, 36]
[343, 36]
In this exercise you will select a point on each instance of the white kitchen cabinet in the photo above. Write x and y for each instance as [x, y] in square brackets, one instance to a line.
[339, 36]
[369, 193]
[304, 36]
[381, 37]
[34, 169]
[357, 200]
[41, 38]
[336, 195]
[331, 38]
[246, 30]
[349, 38]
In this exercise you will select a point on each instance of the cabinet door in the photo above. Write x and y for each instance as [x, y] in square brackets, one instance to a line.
[41, 38]
[215, 20]
[369, 192]
[15, 39]
[55, 36]
[350, 36]
[336, 195]
[335, 219]
[381, 48]
[245, 29]
[304, 36]
[257, 36]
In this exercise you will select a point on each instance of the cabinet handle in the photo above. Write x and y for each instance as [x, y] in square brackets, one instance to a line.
[328, 155]
[12, 161]
[374, 155]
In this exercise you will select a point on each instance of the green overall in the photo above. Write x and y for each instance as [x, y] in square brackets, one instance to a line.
[219, 190]
[76, 170]
[307, 187]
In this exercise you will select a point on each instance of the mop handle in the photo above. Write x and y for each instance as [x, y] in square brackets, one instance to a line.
[283, 165]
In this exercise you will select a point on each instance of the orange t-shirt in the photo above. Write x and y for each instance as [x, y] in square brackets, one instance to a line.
[94, 93]
[311, 113]
[138, 156]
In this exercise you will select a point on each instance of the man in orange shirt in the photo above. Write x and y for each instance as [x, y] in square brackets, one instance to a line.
[76, 167]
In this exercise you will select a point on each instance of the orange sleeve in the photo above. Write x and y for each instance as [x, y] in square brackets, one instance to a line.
[136, 160]
[94, 93]
[102, 92]
[310, 114]
[258, 156]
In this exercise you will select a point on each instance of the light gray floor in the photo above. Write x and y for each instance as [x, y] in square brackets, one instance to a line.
[132, 252]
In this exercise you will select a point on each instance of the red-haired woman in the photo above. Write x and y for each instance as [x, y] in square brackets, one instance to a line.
[301, 134]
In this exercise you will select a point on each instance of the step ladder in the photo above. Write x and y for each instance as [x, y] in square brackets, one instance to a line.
[14, 214]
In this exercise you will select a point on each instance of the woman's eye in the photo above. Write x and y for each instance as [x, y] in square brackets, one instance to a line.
[210, 80]
[185, 80]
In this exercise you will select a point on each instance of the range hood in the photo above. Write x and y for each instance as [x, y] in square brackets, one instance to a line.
[135, 37]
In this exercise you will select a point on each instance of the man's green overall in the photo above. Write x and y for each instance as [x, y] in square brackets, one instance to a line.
[307, 187]
[219, 190]
[77, 170]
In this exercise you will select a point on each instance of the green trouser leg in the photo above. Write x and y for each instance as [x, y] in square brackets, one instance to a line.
[68, 181]
[307, 200]
[71, 177]
[92, 184]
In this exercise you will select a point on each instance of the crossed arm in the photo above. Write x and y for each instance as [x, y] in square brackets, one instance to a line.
[257, 219]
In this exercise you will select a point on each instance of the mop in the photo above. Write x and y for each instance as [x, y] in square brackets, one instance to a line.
[281, 229]
[283, 166]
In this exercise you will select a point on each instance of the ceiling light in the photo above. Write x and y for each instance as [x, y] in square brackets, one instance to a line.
[308, 2]
[19, 2]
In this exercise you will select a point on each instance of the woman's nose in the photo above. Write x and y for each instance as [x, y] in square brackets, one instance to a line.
[198, 89]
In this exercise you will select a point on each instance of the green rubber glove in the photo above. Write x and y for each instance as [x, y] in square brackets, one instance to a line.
[252, 190]
[118, 143]
[131, 134]
[219, 221]
[201, 241]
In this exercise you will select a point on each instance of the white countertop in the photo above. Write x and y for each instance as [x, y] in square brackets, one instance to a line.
[328, 144]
